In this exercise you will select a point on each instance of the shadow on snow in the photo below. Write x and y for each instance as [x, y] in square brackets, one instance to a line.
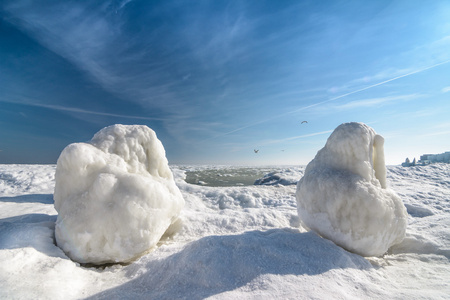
[30, 230]
[216, 264]
[31, 198]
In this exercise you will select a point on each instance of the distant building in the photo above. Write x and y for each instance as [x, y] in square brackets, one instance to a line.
[425, 156]
[408, 163]
[427, 159]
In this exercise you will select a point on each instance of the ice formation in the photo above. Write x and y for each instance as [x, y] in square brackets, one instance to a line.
[115, 195]
[343, 194]
[285, 177]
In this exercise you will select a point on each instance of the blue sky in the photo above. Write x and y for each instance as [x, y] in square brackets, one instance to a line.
[218, 79]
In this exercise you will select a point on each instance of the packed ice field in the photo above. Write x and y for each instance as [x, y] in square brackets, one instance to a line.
[234, 239]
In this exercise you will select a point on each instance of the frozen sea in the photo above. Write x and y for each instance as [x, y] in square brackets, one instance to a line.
[234, 240]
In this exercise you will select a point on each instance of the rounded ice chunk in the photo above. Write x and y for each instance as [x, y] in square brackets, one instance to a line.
[115, 195]
[343, 196]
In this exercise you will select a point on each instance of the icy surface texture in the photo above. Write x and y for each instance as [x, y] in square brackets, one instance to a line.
[343, 194]
[115, 195]
[284, 177]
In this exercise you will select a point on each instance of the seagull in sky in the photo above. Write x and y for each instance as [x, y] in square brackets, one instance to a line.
[304, 122]
[256, 151]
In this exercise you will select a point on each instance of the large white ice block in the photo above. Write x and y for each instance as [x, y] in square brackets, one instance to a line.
[115, 195]
[343, 195]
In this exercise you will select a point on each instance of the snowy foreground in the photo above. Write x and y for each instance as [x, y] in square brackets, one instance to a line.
[233, 242]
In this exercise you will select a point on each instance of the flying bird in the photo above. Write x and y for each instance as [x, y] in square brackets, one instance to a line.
[256, 151]
[304, 122]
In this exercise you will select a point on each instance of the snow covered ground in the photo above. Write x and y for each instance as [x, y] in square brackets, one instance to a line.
[234, 241]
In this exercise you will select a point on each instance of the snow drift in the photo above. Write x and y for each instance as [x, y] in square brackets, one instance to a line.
[239, 252]
[343, 194]
[115, 195]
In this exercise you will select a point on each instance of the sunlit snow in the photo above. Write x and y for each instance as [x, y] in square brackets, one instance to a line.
[234, 242]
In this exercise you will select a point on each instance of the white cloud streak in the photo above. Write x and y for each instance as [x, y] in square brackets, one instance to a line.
[375, 85]
[436, 133]
[297, 137]
[82, 111]
[94, 40]
[376, 101]
[336, 98]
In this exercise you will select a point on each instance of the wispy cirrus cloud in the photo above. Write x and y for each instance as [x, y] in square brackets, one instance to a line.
[367, 102]
[437, 130]
[445, 89]
[80, 110]
[377, 101]
[433, 53]
[158, 66]
[374, 85]
[371, 78]
[94, 39]
[436, 133]
[297, 137]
